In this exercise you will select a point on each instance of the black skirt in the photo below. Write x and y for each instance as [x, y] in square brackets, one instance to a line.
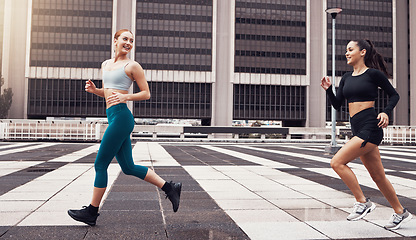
[364, 126]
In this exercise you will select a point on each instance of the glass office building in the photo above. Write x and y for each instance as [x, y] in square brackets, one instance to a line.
[272, 45]
[174, 42]
[270, 39]
[66, 35]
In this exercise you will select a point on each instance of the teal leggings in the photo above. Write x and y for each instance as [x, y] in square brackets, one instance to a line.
[116, 142]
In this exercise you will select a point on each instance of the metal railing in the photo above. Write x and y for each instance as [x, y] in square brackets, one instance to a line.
[62, 130]
[70, 130]
[400, 135]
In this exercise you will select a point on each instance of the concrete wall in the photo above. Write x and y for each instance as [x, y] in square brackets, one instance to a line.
[14, 54]
[124, 15]
[401, 58]
[316, 63]
[222, 102]
[412, 39]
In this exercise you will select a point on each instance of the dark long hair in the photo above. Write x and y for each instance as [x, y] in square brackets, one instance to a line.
[372, 58]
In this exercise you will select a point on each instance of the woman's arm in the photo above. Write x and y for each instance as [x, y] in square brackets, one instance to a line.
[137, 73]
[337, 100]
[384, 83]
[91, 88]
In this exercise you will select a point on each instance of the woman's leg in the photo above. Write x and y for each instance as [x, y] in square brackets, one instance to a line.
[372, 161]
[350, 151]
[153, 178]
[114, 137]
[110, 144]
[102, 161]
[97, 195]
[125, 159]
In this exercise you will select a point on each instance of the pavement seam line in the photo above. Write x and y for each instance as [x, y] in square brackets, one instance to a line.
[158, 194]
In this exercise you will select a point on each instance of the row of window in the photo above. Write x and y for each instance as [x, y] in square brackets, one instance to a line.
[342, 58]
[58, 97]
[194, 47]
[270, 54]
[180, 34]
[293, 71]
[70, 47]
[36, 27]
[67, 63]
[66, 97]
[56, 11]
[74, 5]
[166, 25]
[270, 22]
[176, 100]
[62, 97]
[364, 28]
[269, 38]
[377, 44]
[289, 6]
[174, 67]
[174, 17]
[48, 22]
[361, 12]
[269, 102]
[185, 2]
[176, 60]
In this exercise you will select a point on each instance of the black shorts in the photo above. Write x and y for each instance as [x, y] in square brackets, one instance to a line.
[364, 126]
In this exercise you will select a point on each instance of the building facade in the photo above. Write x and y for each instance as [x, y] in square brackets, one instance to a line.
[213, 60]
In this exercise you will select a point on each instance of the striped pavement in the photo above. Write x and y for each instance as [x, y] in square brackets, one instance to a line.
[231, 191]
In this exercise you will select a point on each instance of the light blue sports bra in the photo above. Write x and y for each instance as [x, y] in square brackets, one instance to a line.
[117, 79]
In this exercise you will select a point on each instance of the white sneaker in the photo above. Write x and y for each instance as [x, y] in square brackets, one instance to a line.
[396, 220]
[360, 210]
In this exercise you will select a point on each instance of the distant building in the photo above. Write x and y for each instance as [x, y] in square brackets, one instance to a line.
[213, 60]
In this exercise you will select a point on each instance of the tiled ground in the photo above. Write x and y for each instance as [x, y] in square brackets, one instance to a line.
[230, 191]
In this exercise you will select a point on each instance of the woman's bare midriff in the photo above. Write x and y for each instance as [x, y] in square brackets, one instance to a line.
[356, 107]
[109, 91]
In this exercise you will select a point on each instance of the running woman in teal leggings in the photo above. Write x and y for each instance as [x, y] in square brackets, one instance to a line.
[118, 75]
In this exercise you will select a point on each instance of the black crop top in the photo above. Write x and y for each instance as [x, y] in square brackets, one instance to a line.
[362, 88]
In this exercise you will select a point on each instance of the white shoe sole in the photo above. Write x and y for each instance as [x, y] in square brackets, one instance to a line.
[400, 224]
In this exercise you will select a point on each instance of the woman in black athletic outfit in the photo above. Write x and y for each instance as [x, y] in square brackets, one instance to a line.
[360, 89]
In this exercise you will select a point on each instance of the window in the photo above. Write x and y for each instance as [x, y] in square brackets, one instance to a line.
[174, 35]
[270, 37]
[62, 37]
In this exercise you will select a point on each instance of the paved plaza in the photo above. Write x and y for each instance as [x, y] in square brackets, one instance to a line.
[230, 191]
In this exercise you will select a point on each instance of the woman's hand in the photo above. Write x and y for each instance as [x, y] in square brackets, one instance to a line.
[90, 86]
[384, 120]
[325, 83]
[116, 98]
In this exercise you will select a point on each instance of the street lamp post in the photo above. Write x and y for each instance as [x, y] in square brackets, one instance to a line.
[333, 148]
